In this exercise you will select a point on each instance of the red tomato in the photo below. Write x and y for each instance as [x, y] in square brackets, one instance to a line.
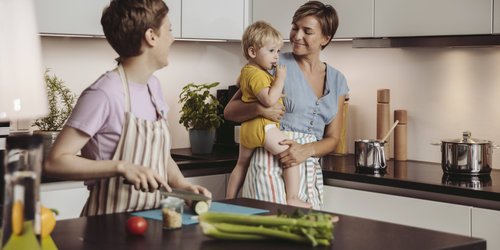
[136, 225]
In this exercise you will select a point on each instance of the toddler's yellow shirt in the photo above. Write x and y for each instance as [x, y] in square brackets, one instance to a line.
[252, 81]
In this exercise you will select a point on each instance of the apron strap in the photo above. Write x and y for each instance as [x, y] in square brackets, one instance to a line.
[123, 77]
[159, 112]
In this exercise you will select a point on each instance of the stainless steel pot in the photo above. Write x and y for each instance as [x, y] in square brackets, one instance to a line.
[369, 155]
[467, 181]
[466, 156]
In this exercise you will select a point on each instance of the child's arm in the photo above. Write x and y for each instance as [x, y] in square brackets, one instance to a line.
[270, 96]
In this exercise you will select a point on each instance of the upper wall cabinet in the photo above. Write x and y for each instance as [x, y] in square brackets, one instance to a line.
[278, 13]
[355, 18]
[496, 16]
[174, 14]
[83, 18]
[70, 17]
[214, 19]
[432, 17]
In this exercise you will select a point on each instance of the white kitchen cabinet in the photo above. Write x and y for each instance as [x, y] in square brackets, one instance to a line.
[68, 197]
[174, 14]
[70, 17]
[486, 225]
[83, 18]
[276, 12]
[214, 19]
[420, 213]
[432, 17]
[496, 16]
[215, 183]
[355, 17]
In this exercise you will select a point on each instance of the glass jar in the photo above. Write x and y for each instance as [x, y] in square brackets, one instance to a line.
[171, 210]
[21, 205]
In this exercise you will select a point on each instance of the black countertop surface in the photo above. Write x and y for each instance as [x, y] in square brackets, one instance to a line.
[405, 178]
[418, 180]
[108, 232]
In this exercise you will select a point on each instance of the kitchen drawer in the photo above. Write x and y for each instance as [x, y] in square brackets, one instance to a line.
[486, 225]
[427, 214]
[68, 197]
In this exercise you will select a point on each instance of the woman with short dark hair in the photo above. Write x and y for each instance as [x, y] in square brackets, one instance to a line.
[314, 97]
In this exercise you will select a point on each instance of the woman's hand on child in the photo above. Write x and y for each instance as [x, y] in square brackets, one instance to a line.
[273, 113]
[142, 178]
[295, 154]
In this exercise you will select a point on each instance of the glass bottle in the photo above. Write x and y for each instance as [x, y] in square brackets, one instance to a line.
[21, 207]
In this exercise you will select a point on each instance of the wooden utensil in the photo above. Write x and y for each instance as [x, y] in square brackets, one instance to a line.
[390, 131]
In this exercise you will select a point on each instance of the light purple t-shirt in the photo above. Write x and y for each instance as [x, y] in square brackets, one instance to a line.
[100, 112]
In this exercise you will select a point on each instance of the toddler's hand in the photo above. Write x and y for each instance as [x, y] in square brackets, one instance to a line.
[280, 71]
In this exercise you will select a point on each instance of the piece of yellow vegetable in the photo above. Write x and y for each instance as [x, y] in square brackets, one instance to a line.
[48, 221]
[17, 217]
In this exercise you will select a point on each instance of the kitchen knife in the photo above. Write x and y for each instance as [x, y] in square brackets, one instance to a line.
[186, 195]
[183, 194]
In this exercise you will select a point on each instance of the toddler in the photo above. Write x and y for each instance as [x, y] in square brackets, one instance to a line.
[261, 45]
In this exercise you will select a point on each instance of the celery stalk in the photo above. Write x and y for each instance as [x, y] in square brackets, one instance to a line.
[211, 230]
[262, 220]
[269, 232]
[313, 228]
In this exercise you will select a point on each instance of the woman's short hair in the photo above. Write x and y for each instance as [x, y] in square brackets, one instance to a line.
[257, 34]
[125, 22]
[325, 14]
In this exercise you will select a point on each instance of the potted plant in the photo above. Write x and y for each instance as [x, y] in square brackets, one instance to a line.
[199, 115]
[61, 101]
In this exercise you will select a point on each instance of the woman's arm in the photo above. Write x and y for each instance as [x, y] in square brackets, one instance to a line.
[239, 111]
[298, 153]
[63, 162]
[177, 180]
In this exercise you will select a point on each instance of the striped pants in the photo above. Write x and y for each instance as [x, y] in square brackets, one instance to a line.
[264, 179]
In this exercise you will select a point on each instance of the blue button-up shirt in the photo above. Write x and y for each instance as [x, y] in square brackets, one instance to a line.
[304, 111]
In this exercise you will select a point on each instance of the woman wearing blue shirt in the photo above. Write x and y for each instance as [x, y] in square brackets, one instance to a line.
[314, 97]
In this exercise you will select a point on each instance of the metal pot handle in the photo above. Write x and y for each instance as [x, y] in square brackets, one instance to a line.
[436, 143]
[380, 156]
[494, 146]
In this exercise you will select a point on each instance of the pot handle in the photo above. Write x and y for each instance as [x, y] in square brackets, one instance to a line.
[380, 156]
[494, 146]
[436, 143]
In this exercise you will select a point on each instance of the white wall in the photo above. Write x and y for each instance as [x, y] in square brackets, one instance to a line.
[445, 90]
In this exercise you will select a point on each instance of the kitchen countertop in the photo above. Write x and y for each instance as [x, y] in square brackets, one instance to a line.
[413, 179]
[108, 232]
[417, 180]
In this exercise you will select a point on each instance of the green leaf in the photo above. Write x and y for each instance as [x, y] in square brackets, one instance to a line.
[200, 109]
[61, 101]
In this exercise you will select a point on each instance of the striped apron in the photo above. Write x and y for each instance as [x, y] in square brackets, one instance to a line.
[264, 179]
[142, 142]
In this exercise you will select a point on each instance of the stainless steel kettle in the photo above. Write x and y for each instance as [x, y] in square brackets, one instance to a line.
[369, 155]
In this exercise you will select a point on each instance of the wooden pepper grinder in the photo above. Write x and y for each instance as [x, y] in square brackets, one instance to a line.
[400, 135]
[341, 148]
[383, 118]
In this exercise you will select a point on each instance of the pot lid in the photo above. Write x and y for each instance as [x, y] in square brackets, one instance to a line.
[466, 139]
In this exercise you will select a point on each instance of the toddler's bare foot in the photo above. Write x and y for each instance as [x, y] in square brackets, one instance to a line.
[297, 203]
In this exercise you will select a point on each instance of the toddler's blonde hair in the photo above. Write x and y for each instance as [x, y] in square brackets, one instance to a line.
[257, 34]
